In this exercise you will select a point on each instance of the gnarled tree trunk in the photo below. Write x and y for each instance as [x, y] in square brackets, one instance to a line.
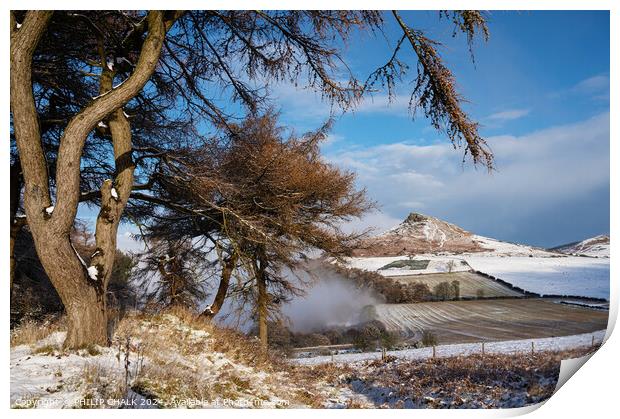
[81, 290]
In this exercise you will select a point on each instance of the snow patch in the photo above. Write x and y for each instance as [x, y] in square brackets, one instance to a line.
[93, 273]
[78, 255]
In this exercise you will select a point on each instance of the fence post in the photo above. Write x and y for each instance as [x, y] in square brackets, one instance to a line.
[433, 351]
[532, 347]
[482, 348]
[332, 353]
[593, 340]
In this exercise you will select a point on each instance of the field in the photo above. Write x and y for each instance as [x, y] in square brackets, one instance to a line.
[471, 284]
[571, 275]
[491, 320]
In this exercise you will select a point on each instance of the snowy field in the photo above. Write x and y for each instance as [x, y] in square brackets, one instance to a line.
[444, 351]
[437, 264]
[567, 275]
[579, 276]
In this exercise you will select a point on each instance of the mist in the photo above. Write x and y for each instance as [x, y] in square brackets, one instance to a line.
[330, 301]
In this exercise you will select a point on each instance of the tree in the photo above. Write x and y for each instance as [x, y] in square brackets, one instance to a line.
[451, 265]
[177, 268]
[442, 290]
[265, 201]
[34, 296]
[200, 55]
[456, 289]
[81, 288]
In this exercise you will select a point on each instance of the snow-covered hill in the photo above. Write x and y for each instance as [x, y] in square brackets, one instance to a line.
[597, 246]
[423, 234]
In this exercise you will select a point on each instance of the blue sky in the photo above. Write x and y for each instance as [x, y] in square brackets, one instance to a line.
[540, 89]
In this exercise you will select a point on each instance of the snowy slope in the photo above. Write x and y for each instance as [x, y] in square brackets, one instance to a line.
[42, 375]
[422, 234]
[570, 275]
[597, 246]
[436, 264]
[564, 275]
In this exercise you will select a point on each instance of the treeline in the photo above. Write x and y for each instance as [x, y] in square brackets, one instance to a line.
[365, 336]
[391, 290]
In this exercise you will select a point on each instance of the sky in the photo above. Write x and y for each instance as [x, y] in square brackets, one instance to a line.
[539, 87]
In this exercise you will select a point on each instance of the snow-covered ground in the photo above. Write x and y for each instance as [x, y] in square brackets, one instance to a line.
[166, 355]
[46, 380]
[597, 246]
[571, 275]
[500, 248]
[563, 275]
[504, 347]
[437, 264]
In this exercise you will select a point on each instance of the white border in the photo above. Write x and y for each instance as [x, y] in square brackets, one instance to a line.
[591, 392]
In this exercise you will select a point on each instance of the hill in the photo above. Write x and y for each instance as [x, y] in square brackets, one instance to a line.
[424, 234]
[597, 246]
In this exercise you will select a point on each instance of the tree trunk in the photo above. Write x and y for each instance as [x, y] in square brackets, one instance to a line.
[16, 223]
[88, 321]
[261, 282]
[82, 293]
[222, 290]
[82, 296]
[16, 226]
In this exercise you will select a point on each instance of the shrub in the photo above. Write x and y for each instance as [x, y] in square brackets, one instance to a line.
[389, 340]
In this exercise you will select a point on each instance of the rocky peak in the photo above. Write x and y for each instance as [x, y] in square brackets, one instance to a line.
[415, 217]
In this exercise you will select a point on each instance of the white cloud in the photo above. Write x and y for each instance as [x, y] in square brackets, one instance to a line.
[382, 103]
[594, 84]
[126, 243]
[376, 222]
[537, 172]
[509, 115]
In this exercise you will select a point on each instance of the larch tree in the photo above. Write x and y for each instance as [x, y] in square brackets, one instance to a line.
[267, 201]
[81, 288]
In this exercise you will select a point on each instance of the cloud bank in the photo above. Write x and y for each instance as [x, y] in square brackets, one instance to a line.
[550, 185]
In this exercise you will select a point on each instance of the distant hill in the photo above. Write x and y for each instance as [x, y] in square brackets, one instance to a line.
[597, 246]
[420, 234]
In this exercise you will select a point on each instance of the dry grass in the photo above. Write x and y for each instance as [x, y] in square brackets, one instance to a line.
[188, 358]
[475, 381]
[30, 332]
[175, 356]
[100, 385]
